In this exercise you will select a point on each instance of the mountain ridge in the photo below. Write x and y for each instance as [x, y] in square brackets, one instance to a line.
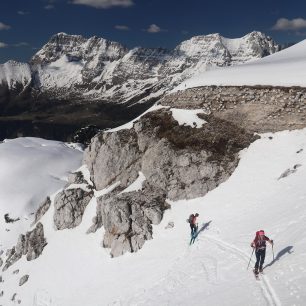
[72, 75]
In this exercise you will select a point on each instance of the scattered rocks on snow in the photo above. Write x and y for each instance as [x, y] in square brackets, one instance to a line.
[169, 225]
[10, 220]
[289, 171]
[16, 271]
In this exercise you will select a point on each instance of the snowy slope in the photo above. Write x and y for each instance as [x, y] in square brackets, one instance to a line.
[75, 270]
[13, 73]
[285, 68]
[30, 169]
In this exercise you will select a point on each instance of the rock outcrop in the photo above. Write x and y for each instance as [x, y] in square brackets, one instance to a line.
[30, 245]
[69, 207]
[183, 161]
[128, 217]
[43, 208]
[177, 161]
[254, 108]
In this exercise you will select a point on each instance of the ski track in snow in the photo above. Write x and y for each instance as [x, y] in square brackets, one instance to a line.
[267, 289]
[188, 271]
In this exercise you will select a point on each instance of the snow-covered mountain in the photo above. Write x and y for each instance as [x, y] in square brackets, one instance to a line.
[285, 68]
[95, 68]
[98, 68]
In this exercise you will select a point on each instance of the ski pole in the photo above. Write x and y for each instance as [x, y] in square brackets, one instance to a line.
[250, 258]
[273, 251]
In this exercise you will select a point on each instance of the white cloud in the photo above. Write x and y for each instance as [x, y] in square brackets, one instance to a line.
[49, 7]
[22, 13]
[153, 28]
[104, 4]
[4, 26]
[22, 44]
[122, 27]
[284, 24]
[3, 45]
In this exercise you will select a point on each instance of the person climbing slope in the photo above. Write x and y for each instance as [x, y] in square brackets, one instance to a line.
[259, 243]
[193, 225]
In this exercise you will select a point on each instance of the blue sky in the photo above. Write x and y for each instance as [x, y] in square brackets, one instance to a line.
[25, 25]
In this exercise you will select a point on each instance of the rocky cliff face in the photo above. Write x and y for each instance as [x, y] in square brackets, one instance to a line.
[73, 81]
[255, 108]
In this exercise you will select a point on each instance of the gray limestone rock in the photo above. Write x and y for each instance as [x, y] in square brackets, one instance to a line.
[69, 206]
[30, 245]
[23, 279]
[128, 218]
[42, 210]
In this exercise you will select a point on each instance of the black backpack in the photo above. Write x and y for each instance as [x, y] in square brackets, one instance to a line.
[190, 219]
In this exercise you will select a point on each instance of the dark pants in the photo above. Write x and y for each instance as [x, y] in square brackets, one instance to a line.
[194, 229]
[260, 258]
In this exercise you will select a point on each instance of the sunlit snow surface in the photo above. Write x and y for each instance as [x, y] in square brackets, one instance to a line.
[75, 270]
[31, 169]
[284, 68]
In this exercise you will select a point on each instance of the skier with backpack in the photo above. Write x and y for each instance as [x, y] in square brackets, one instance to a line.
[259, 244]
[193, 225]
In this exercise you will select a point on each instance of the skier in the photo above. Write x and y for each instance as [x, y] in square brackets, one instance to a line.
[193, 224]
[259, 243]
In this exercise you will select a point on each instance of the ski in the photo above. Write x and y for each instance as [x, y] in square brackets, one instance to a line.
[193, 237]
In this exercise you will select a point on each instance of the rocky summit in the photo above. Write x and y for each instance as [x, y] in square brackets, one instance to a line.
[74, 82]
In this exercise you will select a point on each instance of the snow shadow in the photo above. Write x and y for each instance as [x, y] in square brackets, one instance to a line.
[204, 226]
[286, 250]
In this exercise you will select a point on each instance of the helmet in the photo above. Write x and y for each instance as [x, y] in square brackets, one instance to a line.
[196, 214]
[261, 232]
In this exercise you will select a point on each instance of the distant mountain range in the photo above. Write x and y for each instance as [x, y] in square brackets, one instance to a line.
[73, 81]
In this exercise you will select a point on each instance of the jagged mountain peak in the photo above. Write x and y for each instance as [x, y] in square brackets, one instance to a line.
[78, 47]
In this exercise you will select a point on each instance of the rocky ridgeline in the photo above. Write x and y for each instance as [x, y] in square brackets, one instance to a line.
[256, 109]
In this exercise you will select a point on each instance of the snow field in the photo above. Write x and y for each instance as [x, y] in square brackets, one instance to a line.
[75, 270]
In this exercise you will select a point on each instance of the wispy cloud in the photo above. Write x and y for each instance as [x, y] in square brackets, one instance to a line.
[104, 4]
[122, 27]
[22, 13]
[4, 26]
[49, 7]
[153, 28]
[284, 24]
[3, 45]
[21, 44]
